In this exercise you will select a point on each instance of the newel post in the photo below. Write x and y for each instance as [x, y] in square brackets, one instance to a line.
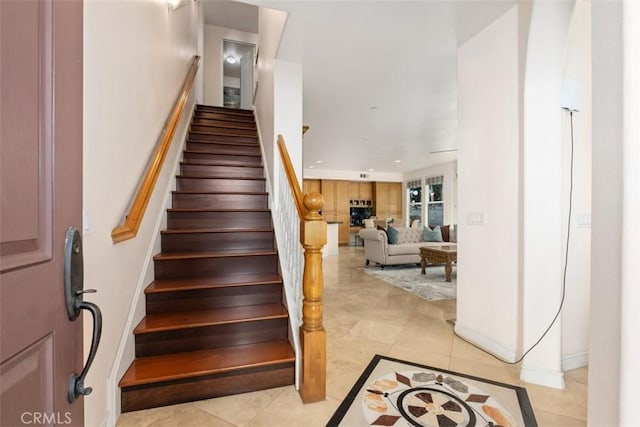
[313, 236]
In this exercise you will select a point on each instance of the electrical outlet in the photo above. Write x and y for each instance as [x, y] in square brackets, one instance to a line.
[583, 220]
[476, 218]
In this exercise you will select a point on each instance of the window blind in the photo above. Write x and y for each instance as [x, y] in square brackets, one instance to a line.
[433, 180]
[415, 183]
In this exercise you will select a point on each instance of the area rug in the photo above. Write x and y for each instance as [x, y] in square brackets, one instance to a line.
[393, 392]
[431, 286]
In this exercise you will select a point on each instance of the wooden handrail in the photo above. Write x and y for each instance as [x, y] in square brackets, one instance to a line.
[313, 236]
[133, 218]
[291, 177]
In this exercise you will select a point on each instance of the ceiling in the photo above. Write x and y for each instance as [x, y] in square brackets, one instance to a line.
[379, 91]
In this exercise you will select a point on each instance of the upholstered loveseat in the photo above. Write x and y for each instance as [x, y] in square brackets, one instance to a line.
[407, 249]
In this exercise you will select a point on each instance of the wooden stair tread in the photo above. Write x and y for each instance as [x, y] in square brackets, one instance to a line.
[260, 193]
[213, 153]
[241, 111]
[215, 210]
[211, 133]
[232, 140]
[216, 230]
[165, 256]
[195, 163]
[193, 139]
[247, 178]
[225, 125]
[215, 115]
[148, 370]
[235, 280]
[220, 316]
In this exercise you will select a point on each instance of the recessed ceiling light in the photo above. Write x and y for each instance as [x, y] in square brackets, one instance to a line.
[231, 59]
[398, 161]
[370, 169]
[318, 161]
[311, 167]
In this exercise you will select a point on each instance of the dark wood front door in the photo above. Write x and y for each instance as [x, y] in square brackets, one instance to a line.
[41, 196]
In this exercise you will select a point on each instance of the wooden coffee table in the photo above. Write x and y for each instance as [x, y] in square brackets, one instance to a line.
[444, 254]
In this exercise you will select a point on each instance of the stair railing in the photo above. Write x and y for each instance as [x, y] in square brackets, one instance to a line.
[312, 235]
[135, 211]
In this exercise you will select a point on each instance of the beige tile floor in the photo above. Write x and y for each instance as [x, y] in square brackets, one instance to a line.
[364, 316]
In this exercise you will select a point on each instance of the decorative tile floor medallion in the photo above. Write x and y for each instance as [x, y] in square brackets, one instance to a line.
[389, 394]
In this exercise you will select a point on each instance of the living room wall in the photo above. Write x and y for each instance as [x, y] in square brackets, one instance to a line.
[488, 302]
[448, 171]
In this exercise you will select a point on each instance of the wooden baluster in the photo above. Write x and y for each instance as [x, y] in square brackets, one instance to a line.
[313, 236]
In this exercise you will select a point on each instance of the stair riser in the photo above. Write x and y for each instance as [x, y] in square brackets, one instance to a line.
[220, 201]
[217, 242]
[222, 159]
[207, 267]
[204, 121]
[230, 139]
[212, 147]
[221, 171]
[227, 383]
[191, 220]
[213, 298]
[221, 185]
[224, 117]
[194, 339]
[223, 130]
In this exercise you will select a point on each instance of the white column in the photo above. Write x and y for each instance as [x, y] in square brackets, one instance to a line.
[544, 227]
[630, 313]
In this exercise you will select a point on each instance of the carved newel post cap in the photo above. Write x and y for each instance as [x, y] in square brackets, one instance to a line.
[313, 202]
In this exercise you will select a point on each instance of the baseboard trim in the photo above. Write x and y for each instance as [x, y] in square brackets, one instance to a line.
[485, 343]
[574, 361]
[544, 377]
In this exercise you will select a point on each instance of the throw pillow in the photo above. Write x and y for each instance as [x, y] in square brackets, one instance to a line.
[453, 234]
[434, 235]
[393, 235]
[385, 232]
[445, 230]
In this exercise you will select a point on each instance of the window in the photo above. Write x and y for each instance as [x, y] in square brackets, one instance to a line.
[414, 199]
[435, 204]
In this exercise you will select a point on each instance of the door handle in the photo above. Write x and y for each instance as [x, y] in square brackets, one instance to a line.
[74, 291]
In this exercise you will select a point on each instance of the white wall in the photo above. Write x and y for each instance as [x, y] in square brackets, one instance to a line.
[488, 184]
[448, 171]
[271, 28]
[231, 81]
[575, 315]
[287, 106]
[606, 232]
[214, 38]
[136, 56]
[629, 415]
[543, 177]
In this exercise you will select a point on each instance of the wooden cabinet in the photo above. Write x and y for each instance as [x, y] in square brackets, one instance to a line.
[336, 196]
[360, 191]
[388, 201]
[366, 190]
[336, 206]
[311, 185]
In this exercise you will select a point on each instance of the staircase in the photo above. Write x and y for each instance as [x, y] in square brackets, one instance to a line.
[215, 320]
